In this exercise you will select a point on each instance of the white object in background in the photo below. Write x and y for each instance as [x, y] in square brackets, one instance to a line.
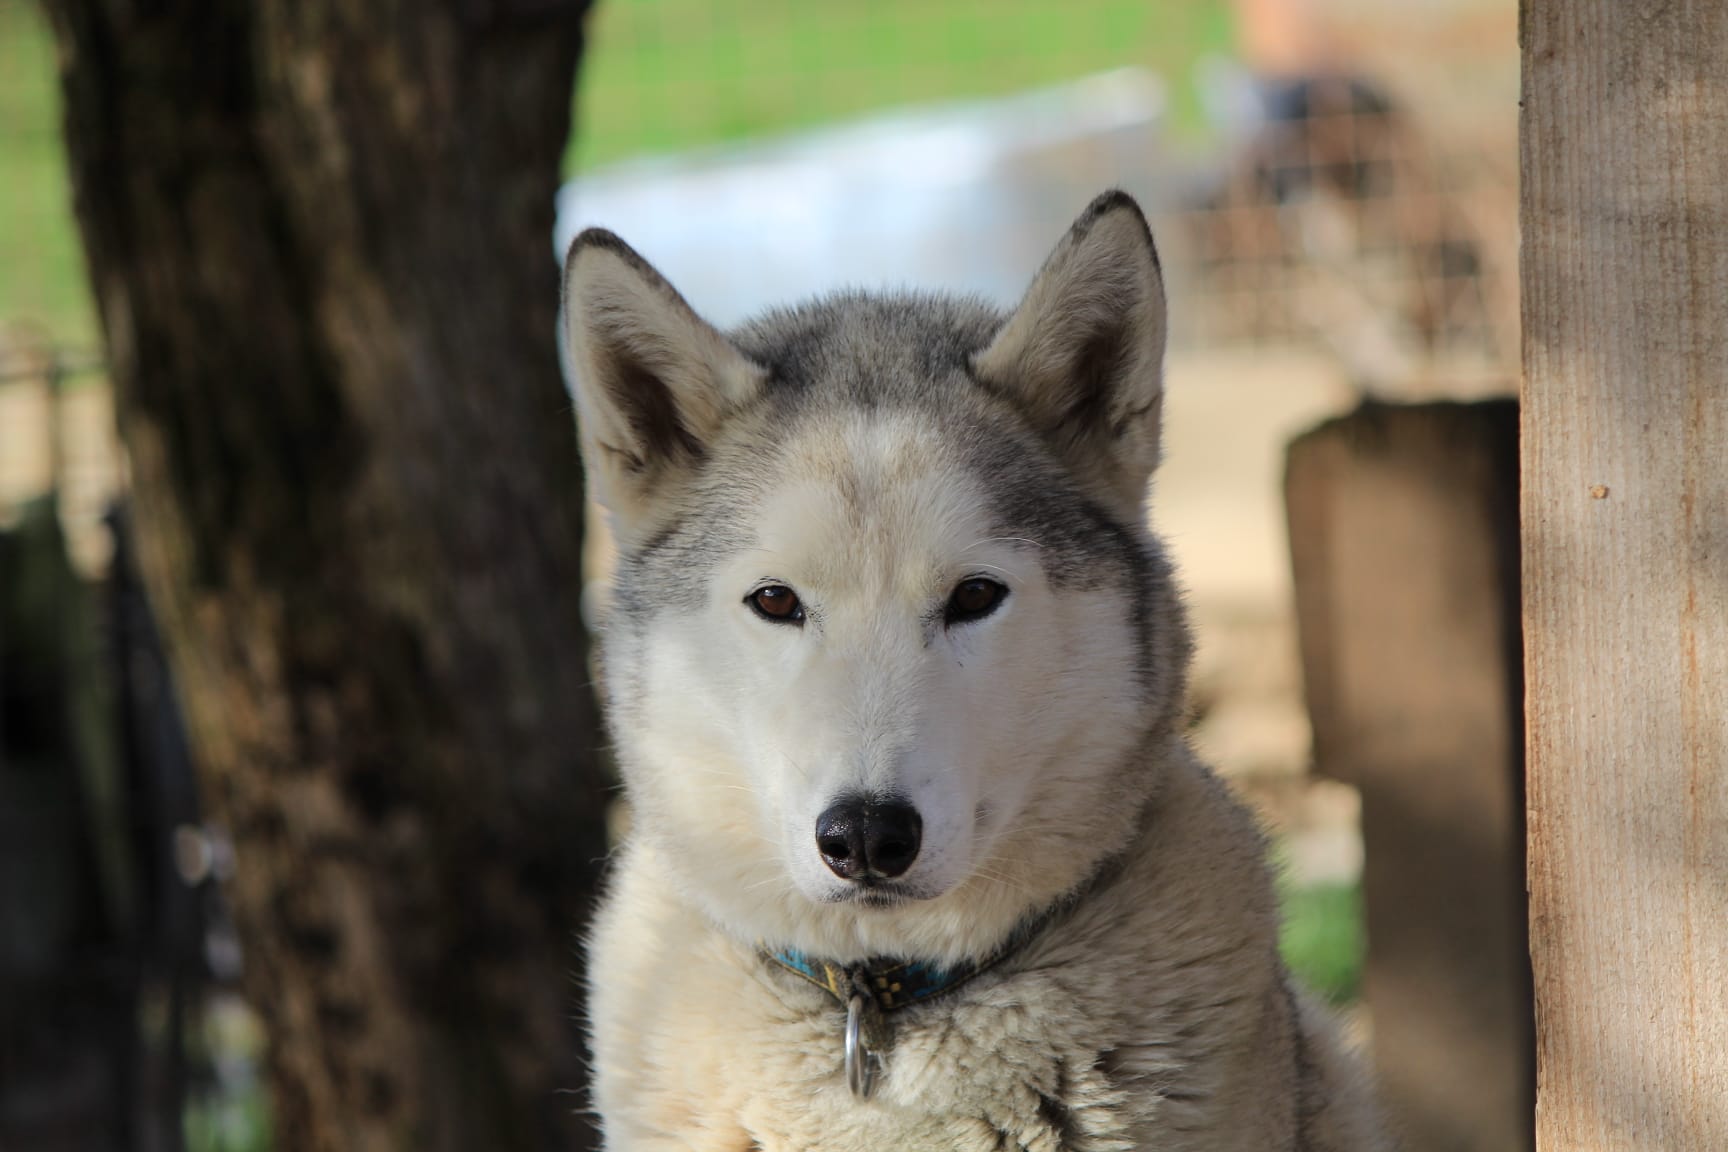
[962, 197]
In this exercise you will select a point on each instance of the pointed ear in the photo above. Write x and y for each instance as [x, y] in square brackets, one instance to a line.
[1083, 354]
[653, 380]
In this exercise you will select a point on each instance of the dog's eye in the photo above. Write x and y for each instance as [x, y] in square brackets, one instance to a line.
[973, 599]
[777, 603]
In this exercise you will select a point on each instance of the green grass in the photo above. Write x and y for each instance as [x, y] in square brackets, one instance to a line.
[1322, 938]
[229, 1124]
[665, 75]
[661, 76]
[42, 279]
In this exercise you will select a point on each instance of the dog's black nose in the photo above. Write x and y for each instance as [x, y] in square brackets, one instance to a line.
[862, 838]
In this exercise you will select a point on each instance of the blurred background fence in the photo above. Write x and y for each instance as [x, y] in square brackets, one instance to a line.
[1333, 186]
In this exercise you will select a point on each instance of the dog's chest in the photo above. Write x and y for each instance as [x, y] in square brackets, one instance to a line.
[983, 1073]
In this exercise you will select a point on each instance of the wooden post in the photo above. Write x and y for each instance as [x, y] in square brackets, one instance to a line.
[1404, 542]
[1625, 539]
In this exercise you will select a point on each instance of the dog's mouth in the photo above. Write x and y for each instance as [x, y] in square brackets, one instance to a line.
[874, 894]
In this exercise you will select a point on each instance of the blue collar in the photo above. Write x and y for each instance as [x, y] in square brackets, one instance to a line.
[871, 990]
[892, 984]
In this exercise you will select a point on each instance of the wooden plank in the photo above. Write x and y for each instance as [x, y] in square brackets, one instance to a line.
[1625, 519]
[1404, 538]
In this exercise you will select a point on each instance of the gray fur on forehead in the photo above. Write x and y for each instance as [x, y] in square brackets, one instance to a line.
[914, 350]
[867, 351]
[870, 347]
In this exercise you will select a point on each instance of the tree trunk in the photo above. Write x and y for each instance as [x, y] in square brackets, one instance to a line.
[319, 235]
[1625, 494]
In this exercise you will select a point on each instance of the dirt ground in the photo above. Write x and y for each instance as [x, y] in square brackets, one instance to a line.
[1218, 500]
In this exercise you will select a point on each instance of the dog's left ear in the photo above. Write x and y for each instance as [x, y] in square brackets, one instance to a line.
[1083, 354]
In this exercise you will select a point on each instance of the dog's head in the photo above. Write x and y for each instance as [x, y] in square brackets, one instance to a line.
[889, 642]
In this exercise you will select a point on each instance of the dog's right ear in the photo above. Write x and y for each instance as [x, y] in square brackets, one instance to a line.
[653, 380]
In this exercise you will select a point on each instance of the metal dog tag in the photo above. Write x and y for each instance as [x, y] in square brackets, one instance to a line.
[861, 1062]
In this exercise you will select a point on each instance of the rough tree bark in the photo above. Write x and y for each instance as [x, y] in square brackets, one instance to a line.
[318, 232]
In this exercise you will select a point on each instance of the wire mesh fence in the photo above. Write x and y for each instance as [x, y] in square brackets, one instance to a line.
[1339, 224]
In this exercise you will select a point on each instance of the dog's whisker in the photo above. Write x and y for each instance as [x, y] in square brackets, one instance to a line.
[1004, 880]
[998, 568]
[1002, 540]
[762, 883]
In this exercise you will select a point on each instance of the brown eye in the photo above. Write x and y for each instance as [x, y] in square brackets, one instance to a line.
[973, 599]
[778, 603]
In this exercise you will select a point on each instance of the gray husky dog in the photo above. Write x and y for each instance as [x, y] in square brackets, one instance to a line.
[919, 856]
